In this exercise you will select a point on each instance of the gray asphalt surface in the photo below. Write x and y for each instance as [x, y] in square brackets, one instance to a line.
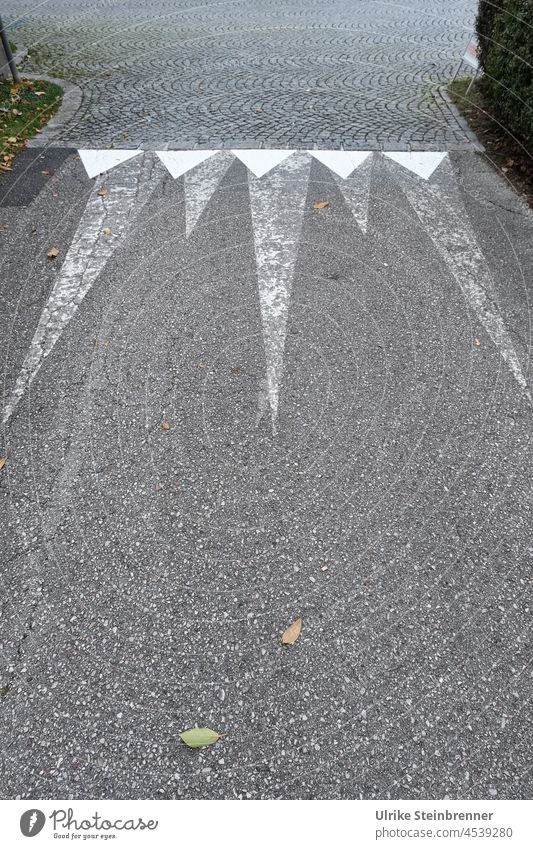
[282, 72]
[148, 574]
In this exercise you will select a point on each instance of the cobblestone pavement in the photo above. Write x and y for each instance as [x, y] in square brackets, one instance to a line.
[273, 73]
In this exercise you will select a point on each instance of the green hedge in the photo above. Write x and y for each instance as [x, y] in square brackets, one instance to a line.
[505, 29]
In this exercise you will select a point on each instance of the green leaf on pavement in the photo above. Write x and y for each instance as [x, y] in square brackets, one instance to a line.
[197, 738]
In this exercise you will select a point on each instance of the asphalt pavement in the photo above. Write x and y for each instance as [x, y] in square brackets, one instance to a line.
[250, 387]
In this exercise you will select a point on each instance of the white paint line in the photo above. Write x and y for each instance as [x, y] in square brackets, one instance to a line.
[440, 209]
[278, 204]
[259, 162]
[342, 162]
[200, 185]
[85, 259]
[356, 191]
[99, 161]
[421, 163]
[178, 162]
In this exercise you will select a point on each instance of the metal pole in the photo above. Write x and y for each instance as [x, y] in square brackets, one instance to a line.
[9, 55]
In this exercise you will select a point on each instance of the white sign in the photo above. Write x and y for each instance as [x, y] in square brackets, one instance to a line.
[471, 54]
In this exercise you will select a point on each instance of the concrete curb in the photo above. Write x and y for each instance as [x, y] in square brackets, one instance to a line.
[469, 133]
[57, 126]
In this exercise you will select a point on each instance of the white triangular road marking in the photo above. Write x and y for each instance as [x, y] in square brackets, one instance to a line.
[88, 253]
[421, 163]
[277, 204]
[259, 162]
[178, 162]
[342, 162]
[356, 191]
[442, 213]
[201, 184]
[98, 161]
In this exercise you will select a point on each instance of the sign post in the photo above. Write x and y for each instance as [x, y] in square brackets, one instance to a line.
[470, 57]
[6, 56]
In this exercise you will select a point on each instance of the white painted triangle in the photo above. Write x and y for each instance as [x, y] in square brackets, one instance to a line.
[440, 208]
[88, 253]
[277, 204]
[201, 183]
[421, 163]
[356, 191]
[342, 162]
[99, 161]
[178, 162]
[260, 162]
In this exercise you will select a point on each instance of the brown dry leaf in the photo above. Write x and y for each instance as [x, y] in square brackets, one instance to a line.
[477, 342]
[16, 111]
[3, 461]
[45, 173]
[292, 633]
[5, 168]
[324, 568]
[106, 231]
[12, 139]
[52, 253]
[321, 204]
[165, 425]
[40, 93]
[102, 192]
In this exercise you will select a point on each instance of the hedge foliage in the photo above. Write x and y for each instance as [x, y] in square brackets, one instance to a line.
[505, 29]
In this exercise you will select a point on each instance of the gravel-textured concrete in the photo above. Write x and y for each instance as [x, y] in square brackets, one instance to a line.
[148, 574]
[271, 72]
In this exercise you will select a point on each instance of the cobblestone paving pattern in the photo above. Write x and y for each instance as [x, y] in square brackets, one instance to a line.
[278, 72]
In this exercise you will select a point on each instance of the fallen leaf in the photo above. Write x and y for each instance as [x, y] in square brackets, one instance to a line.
[321, 204]
[3, 461]
[165, 425]
[12, 140]
[197, 738]
[102, 192]
[477, 342]
[40, 93]
[45, 173]
[52, 253]
[16, 111]
[324, 568]
[292, 633]
[106, 231]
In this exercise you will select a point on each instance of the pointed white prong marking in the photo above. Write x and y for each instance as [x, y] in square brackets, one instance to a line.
[178, 162]
[99, 161]
[260, 162]
[356, 191]
[421, 163]
[85, 259]
[441, 211]
[278, 204]
[342, 162]
[200, 185]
